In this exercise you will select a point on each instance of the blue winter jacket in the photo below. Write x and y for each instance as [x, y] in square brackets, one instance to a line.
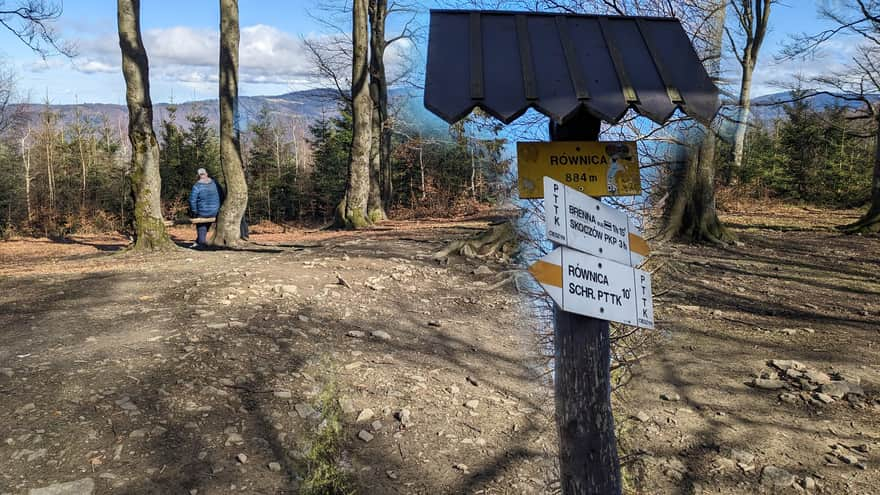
[204, 200]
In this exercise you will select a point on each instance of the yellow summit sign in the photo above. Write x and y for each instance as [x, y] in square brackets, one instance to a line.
[595, 168]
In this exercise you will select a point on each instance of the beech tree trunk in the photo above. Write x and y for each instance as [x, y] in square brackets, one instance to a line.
[380, 169]
[691, 215]
[742, 124]
[473, 173]
[26, 158]
[352, 210]
[753, 17]
[375, 205]
[228, 232]
[870, 221]
[422, 170]
[146, 183]
[84, 173]
[50, 173]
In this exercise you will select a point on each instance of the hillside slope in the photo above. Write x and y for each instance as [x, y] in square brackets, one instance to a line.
[306, 105]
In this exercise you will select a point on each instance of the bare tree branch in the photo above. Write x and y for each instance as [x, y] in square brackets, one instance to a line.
[31, 22]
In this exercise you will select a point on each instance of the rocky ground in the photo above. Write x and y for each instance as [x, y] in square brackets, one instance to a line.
[210, 372]
[213, 372]
[764, 376]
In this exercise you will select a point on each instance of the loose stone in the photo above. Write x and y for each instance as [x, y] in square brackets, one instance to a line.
[85, 486]
[768, 384]
[775, 477]
[365, 415]
[234, 439]
[283, 394]
[835, 389]
[809, 483]
[347, 405]
[642, 416]
[304, 410]
[138, 434]
[405, 417]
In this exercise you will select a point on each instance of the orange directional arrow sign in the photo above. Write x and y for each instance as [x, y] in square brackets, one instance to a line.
[638, 246]
[591, 286]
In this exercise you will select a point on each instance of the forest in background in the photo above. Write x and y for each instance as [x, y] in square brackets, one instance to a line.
[60, 177]
[807, 155]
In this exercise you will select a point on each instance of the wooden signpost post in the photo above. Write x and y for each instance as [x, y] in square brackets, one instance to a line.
[592, 281]
[587, 443]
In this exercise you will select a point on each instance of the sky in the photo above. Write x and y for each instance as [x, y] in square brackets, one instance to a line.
[181, 38]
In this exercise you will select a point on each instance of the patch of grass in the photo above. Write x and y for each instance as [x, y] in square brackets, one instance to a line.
[628, 474]
[324, 475]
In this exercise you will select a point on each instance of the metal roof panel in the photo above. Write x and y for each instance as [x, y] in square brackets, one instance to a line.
[502, 68]
[447, 88]
[555, 92]
[686, 71]
[506, 62]
[606, 92]
[654, 101]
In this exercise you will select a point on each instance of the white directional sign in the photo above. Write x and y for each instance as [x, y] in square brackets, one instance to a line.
[600, 288]
[578, 221]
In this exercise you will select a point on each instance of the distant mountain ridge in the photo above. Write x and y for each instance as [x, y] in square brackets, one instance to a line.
[772, 106]
[307, 105]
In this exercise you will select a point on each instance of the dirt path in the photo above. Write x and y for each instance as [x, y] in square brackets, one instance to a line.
[152, 375]
[205, 372]
[735, 422]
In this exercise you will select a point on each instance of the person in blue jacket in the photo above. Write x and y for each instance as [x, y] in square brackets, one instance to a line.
[204, 202]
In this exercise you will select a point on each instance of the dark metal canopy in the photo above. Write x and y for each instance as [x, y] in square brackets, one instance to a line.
[507, 62]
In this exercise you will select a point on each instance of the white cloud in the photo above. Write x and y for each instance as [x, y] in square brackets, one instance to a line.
[182, 46]
[94, 66]
[47, 64]
[268, 57]
[773, 76]
[182, 54]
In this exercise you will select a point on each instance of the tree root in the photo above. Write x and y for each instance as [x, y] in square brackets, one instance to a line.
[868, 224]
[705, 230]
[499, 241]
